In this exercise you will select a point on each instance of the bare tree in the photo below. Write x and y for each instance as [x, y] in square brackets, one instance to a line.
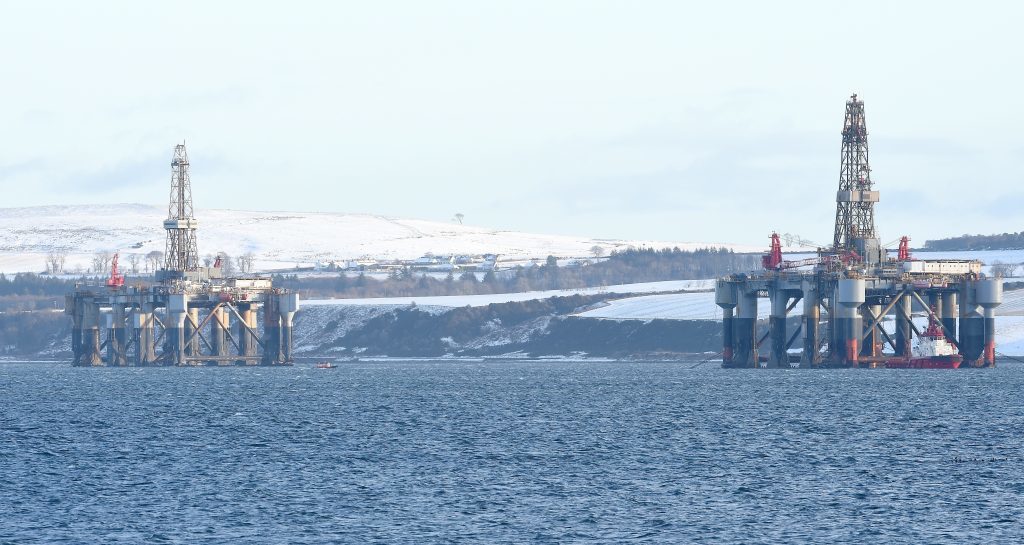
[596, 250]
[245, 262]
[227, 265]
[208, 260]
[133, 262]
[55, 261]
[999, 269]
[153, 260]
[459, 216]
[101, 262]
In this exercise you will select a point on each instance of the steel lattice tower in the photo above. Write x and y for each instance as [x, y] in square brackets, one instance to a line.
[855, 201]
[182, 252]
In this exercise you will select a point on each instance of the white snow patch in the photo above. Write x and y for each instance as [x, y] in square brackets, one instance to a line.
[675, 306]
[1010, 335]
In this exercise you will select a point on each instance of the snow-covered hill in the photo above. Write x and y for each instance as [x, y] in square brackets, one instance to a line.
[277, 239]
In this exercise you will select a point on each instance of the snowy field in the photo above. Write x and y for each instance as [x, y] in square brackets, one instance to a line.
[1010, 335]
[284, 240]
[675, 306]
[279, 240]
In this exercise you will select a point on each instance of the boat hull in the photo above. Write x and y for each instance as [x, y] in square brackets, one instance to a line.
[932, 362]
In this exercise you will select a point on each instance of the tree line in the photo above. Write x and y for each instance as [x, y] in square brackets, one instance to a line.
[138, 263]
[625, 267]
[1003, 241]
[27, 291]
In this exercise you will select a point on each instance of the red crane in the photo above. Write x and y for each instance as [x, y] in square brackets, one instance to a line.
[773, 258]
[904, 251]
[116, 279]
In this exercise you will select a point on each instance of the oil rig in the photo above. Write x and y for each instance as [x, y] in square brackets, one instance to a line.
[849, 289]
[188, 315]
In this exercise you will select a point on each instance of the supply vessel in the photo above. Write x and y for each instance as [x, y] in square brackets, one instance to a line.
[932, 351]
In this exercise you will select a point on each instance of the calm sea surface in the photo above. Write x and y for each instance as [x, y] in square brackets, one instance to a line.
[462, 452]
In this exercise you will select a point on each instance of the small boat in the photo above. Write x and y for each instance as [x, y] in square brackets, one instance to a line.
[933, 351]
[325, 365]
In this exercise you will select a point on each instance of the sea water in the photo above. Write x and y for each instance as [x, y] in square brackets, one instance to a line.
[510, 452]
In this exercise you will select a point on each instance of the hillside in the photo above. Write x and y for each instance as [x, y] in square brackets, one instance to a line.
[1004, 241]
[278, 240]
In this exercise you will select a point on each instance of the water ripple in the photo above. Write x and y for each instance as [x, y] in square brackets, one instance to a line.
[509, 452]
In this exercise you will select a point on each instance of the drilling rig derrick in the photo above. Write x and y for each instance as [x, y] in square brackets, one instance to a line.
[182, 252]
[856, 198]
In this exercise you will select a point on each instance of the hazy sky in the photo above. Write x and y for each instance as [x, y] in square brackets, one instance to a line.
[706, 121]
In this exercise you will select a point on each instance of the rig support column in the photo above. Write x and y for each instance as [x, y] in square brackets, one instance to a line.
[949, 311]
[847, 324]
[73, 307]
[746, 331]
[142, 335]
[177, 311]
[778, 357]
[725, 297]
[972, 327]
[91, 335]
[148, 346]
[288, 305]
[989, 295]
[135, 322]
[118, 354]
[812, 316]
[219, 324]
[989, 353]
[192, 346]
[903, 334]
[247, 341]
[271, 332]
[935, 301]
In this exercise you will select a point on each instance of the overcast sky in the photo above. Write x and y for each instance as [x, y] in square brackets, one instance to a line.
[704, 121]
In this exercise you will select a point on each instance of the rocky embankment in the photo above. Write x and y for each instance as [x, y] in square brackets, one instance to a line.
[546, 327]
